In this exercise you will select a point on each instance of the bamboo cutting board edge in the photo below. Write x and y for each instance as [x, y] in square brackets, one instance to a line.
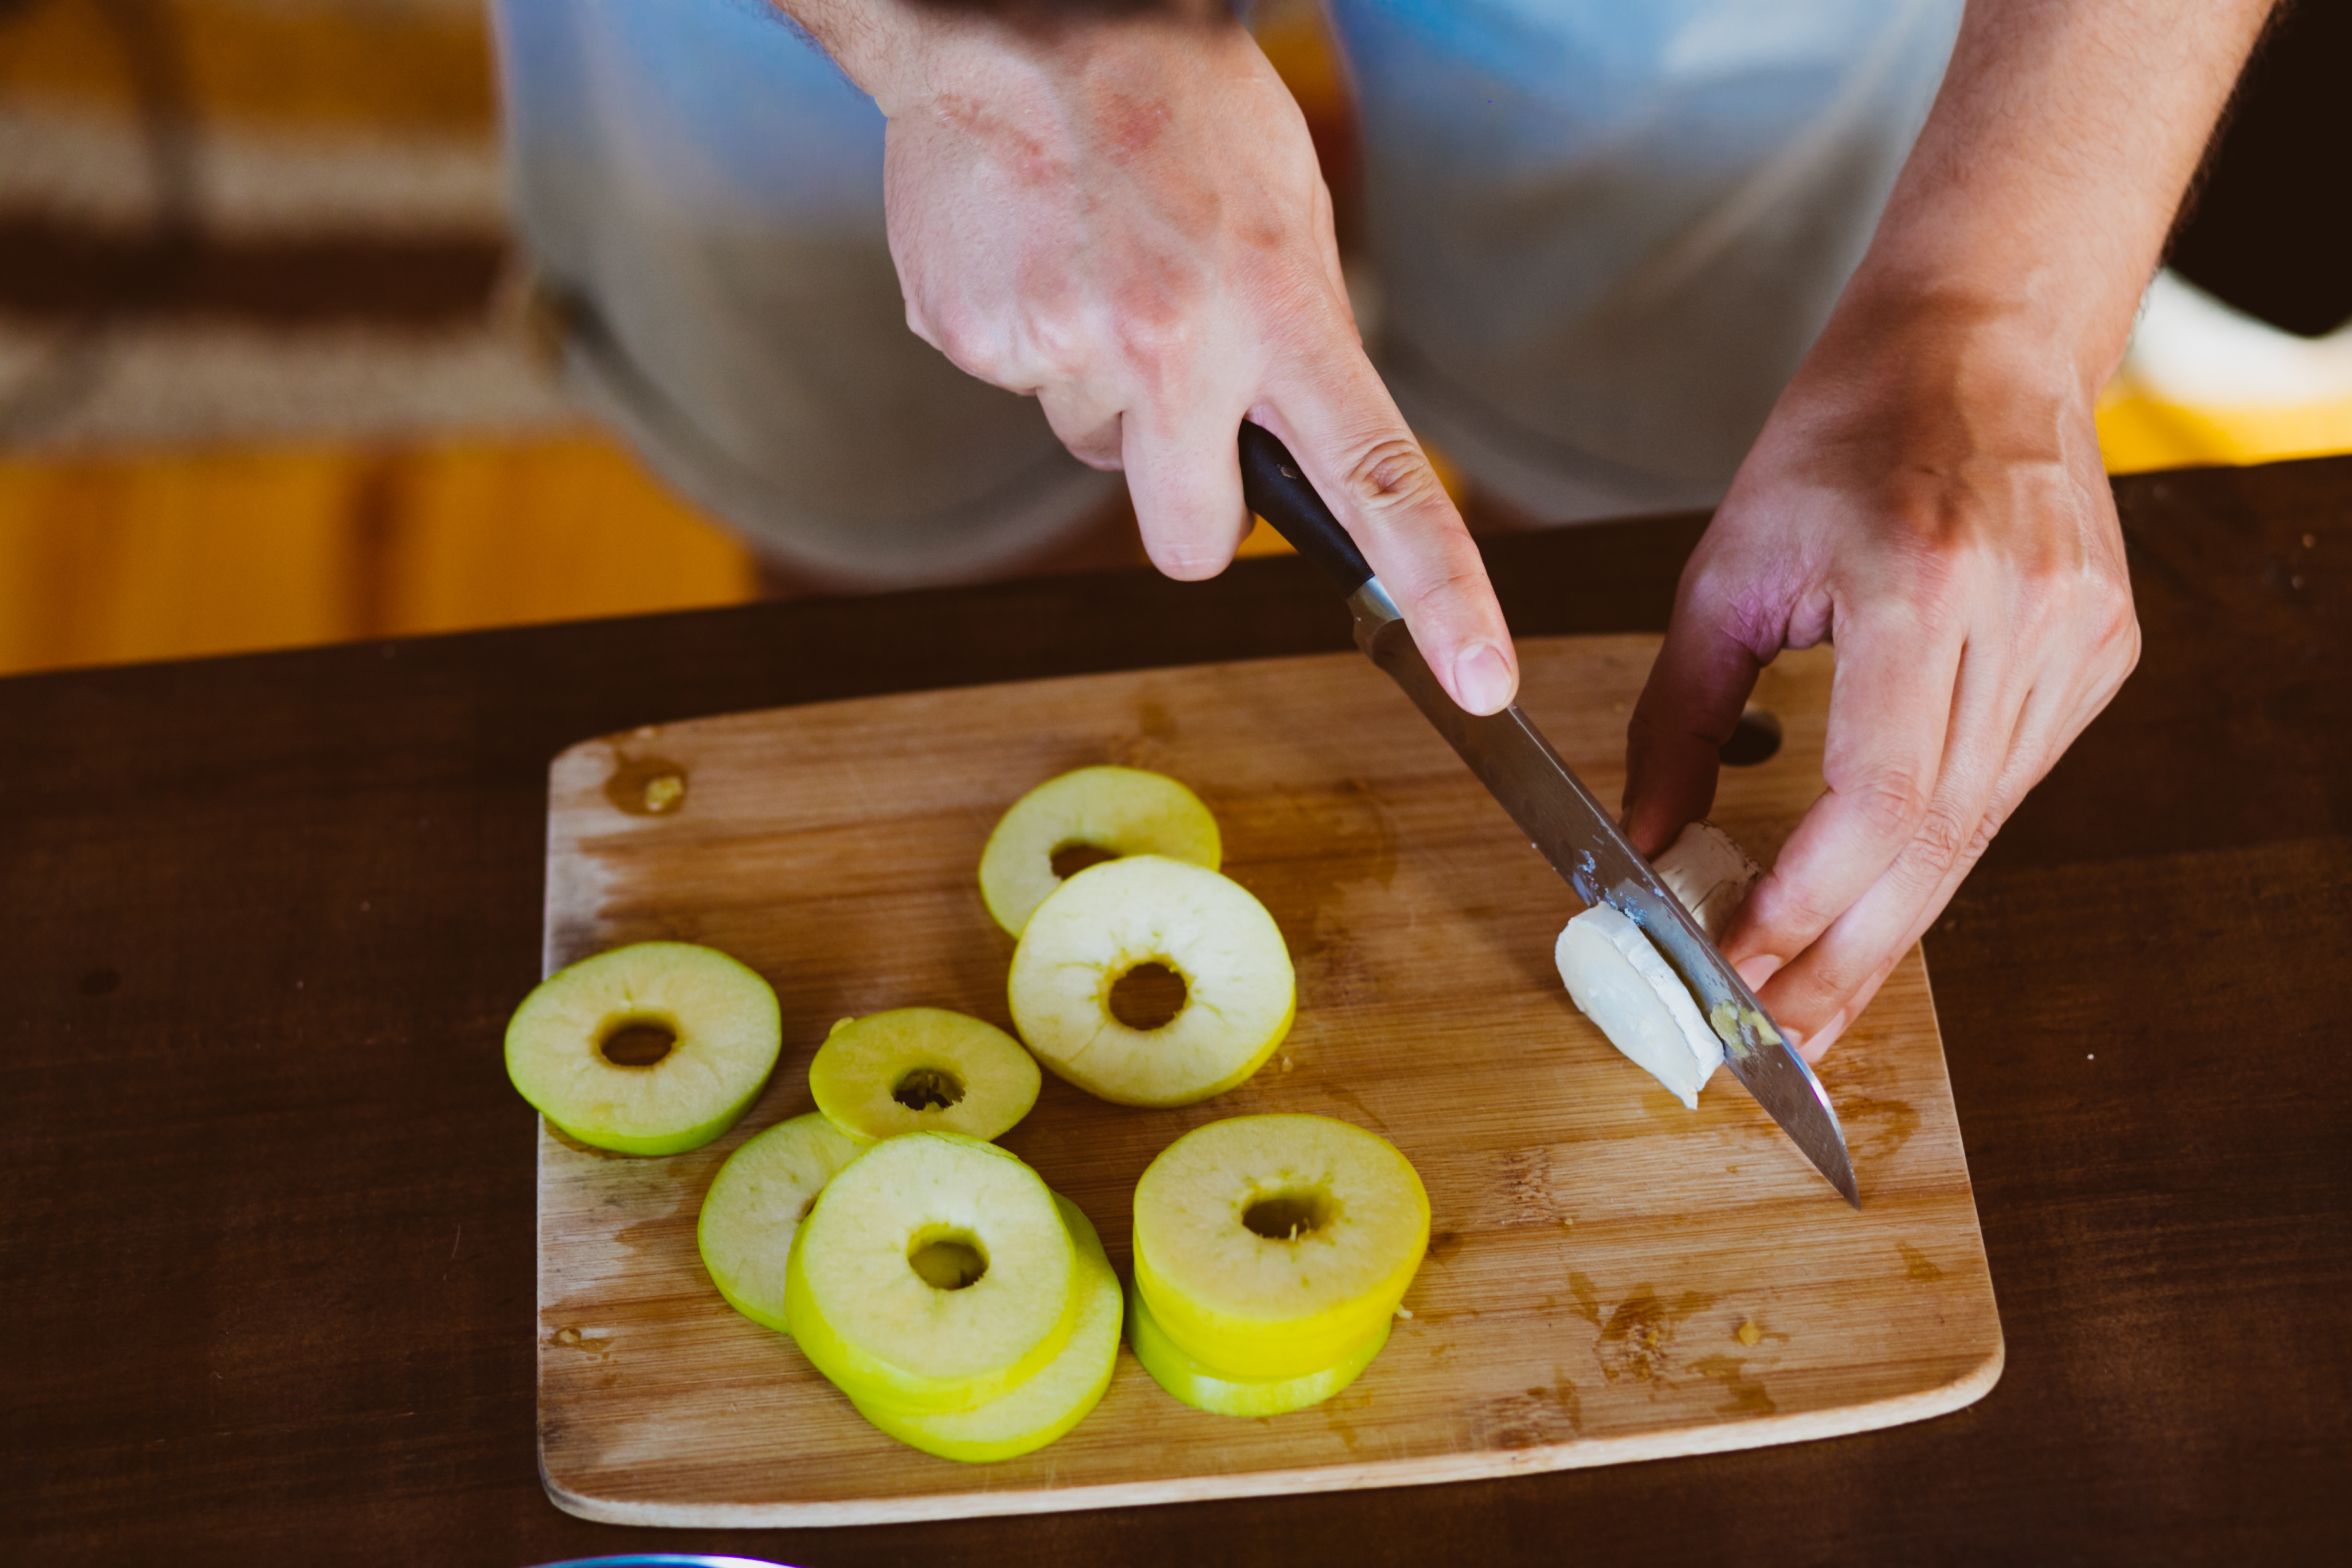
[1486, 1465]
[589, 888]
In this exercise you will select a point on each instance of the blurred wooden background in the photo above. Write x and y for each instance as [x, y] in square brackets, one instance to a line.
[265, 378]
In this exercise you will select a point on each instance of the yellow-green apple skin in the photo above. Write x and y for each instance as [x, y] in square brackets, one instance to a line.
[1027, 1418]
[886, 1336]
[755, 1204]
[1241, 992]
[869, 1069]
[727, 1031]
[1117, 811]
[1253, 1305]
[1205, 1388]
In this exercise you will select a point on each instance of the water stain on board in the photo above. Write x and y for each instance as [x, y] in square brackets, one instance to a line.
[1150, 743]
[1916, 1264]
[1527, 1184]
[1743, 1394]
[646, 785]
[1341, 1092]
[1307, 855]
[570, 1337]
[1588, 1301]
[1637, 1342]
[1538, 1416]
[1875, 1129]
[1443, 1244]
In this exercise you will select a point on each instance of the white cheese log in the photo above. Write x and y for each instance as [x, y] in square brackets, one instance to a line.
[1709, 873]
[1618, 981]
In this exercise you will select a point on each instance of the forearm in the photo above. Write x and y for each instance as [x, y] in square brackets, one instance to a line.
[2044, 182]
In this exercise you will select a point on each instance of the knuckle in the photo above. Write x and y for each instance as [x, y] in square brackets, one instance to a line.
[1796, 911]
[1155, 332]
[1891, 804]
[1392, 474]
[1941, 839]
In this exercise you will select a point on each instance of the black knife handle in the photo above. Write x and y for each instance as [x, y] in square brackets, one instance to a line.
[1276, 489]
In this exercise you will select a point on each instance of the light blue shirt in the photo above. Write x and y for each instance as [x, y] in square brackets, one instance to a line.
[1605, 232]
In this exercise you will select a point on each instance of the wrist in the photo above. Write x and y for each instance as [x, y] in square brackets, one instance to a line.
[912, 55]
[2030, 310]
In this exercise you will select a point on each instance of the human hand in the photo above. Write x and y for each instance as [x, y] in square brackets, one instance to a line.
[1928, 494]
[1124, 218]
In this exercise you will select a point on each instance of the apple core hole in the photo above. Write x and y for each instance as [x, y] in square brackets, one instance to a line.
[1070, 859]
[1755, 739]
[1287, 1216]
[637, 1042]
[1147, 996]
[948, 1259]
[927, 1089]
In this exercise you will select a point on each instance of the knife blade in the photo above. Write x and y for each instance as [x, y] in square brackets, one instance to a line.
[1562, 820]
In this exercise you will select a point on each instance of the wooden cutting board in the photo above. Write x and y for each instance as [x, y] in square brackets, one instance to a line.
[1610, 1277]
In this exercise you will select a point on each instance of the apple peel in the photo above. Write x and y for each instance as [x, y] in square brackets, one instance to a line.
[1189, 1379]
[1056, 1398]
[868, 1306]
[922, 1069]
[1241, 992]
[1113, 811]
[1273, 1247]
[714, 1028]
[755, 1204]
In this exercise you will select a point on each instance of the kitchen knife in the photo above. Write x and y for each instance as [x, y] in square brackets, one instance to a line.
[1557, 814]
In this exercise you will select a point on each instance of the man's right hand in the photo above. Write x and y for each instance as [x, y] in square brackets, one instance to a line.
[1124, 218]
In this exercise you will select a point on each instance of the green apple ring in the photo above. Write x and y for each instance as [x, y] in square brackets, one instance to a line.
[1113, 811]
[1024, 1419]
[922, 1069]
[653, 1048]
[934, 1274]
[1111, 921]
[757, 1201]
[1274, 1246]
[1222, 1393]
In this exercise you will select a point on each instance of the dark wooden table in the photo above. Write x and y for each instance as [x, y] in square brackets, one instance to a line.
[266, 1196]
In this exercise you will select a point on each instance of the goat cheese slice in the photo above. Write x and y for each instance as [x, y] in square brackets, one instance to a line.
[1620, 981]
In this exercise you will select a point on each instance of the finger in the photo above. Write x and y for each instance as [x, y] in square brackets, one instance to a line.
[1089, 425]
[1819, 990]
[1354, 447]
[2053, 714]
[1184, 473]
[1891, 707]
[1687, 710]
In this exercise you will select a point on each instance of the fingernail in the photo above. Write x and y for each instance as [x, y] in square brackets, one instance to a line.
[1755, 971]
[1482, 678]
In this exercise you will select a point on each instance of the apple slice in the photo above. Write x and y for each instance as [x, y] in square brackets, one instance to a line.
[1273, 1247]
[1113, 812]
[934, 1274]
[1147, 916]
[1029, 1416]
[917, 1069]
[755, 1202]
[651, 1049]
[1221, 1393]
[1620, 981]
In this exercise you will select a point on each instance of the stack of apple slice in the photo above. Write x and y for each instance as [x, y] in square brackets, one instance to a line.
[962, 1306]
[1271, 1253]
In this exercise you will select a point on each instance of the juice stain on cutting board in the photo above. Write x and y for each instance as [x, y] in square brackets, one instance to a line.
[1642, 1338]
[1540, 1416]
